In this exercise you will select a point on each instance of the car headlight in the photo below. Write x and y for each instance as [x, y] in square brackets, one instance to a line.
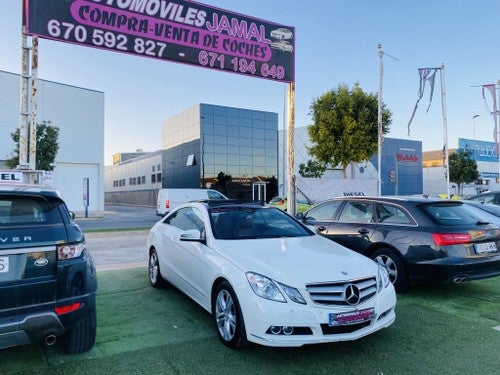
[265, 287]
[383, 278]
[293, 294]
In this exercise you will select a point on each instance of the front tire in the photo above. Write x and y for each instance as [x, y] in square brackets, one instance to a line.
[392, 262]
[228, 317]
[155, 278]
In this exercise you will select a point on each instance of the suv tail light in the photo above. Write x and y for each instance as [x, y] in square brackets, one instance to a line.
[443, 239]
[69, 251]
[167, 203]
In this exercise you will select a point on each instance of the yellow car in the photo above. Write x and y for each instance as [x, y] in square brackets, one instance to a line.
[302, 205]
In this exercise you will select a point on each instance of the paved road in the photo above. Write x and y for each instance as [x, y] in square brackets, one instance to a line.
[120, 249]
[116, 250]
[119, 216]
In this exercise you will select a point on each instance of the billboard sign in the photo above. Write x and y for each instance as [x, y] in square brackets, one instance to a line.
[181, 31]
[480, 150]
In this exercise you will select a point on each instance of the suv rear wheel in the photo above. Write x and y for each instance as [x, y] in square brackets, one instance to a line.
[81, 337]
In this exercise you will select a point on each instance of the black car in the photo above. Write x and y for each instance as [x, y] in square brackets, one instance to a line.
[48, 279]
[492, 197]
[416, 239]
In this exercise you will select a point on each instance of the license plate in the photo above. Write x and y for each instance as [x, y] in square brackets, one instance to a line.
[486, 247]
[351, 317]
[4, 264]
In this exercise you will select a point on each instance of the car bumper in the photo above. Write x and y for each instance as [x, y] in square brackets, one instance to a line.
[455, 269]
[33, 327]
[310, 322]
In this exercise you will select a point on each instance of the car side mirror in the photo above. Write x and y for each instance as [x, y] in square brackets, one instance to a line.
[193, 235]
[299, 216]
[72, 215]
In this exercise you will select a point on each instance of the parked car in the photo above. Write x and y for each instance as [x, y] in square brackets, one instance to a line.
[487, 197]
[489, 211]
[266, 278]
[170, 198]
[282, 203]
[417, 239]
[47, 276]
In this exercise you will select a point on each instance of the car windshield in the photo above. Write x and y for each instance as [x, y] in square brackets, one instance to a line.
[246, 222]
[452, 214]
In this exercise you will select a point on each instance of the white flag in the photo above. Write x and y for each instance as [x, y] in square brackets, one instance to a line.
[426, 74]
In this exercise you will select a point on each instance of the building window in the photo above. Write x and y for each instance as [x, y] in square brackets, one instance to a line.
[158, 177]
[153, 168]
[153, 178]
[130, 182]
[143, 179]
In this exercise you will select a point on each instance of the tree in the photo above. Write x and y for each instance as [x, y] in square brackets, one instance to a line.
[312, 169]
[345, 128]
[46, 147]
[462, 168]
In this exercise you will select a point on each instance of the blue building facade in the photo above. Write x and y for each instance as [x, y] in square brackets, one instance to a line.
[401, 169]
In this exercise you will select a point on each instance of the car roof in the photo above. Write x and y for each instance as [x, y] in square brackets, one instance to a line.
[398, 198]
[230, 202]
[26, 189]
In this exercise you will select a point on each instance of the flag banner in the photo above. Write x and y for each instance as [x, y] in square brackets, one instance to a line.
[426, 74]
[494, 112]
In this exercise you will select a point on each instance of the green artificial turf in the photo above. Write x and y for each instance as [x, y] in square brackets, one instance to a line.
[444, 329]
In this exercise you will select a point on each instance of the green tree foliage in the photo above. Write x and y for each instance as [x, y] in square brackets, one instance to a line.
[345, 128]
[312, 169]
[463, 169]
[47, 146]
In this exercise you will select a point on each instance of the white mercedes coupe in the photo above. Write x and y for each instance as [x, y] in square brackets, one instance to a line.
[266, 278]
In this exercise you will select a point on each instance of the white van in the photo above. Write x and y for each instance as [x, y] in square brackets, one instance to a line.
[168, 199]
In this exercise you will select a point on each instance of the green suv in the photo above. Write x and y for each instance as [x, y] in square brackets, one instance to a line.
[48, 279]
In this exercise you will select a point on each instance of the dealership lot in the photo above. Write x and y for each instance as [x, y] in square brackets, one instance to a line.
[447, 329]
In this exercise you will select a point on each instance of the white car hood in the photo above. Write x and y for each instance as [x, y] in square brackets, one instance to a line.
[296, 261]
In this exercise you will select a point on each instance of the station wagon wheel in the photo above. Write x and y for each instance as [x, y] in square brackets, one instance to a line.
[228, 317]
[155, 278]
[391, 261]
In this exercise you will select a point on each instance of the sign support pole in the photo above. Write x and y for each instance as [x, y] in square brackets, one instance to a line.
[291, 151]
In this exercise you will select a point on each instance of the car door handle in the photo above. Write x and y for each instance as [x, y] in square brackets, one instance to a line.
[363, 231]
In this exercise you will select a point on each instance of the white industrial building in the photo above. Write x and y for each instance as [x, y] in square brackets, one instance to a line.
[79, 115]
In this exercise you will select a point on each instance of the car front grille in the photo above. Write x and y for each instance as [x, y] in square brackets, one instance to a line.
[338, 293]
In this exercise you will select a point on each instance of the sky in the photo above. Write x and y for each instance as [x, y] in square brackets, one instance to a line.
[336, 43]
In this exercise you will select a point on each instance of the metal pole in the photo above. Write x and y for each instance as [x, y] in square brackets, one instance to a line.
[379, 121]
[24, 102]
[497, 124]
[291, 152]
[445, 131]
[33, 102]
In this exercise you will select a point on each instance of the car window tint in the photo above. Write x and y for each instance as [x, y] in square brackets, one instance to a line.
[357, 212]
[390, 214]
[231, 223]
[323, 212]
[28, 210]
[451, 214]
[486, 198]
[186, 219]
[214, 195]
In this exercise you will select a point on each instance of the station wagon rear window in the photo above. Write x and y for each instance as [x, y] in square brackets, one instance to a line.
[451, 214]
